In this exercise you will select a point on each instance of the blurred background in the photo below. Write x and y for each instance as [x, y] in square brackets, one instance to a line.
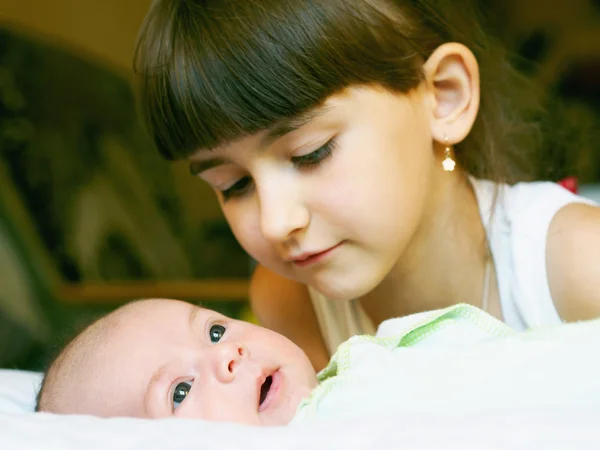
[91, 217]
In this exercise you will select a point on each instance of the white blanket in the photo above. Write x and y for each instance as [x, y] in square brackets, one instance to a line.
[463, 362]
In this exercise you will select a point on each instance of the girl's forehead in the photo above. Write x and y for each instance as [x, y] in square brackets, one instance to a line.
[337, 103]
[280, 128]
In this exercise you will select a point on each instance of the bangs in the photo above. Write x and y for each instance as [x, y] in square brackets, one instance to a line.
[211, 72]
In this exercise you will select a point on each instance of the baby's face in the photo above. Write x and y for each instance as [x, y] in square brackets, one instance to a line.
[169, 358]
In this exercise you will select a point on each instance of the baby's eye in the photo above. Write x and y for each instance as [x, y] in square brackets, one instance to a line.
[216, 333]
[180, 393]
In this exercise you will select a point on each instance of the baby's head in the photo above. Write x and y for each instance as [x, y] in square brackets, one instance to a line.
[162, 358]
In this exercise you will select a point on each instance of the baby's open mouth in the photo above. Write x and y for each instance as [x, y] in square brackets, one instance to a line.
[264, 390]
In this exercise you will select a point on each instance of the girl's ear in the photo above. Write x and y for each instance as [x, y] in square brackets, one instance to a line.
[452, 75]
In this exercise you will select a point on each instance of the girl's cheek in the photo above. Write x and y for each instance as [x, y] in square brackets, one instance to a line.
[249, 237]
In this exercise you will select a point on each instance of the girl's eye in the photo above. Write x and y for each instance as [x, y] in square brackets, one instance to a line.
[316, 157]
[216, 333]
[239, 188]
[243, 185]
[180, 393]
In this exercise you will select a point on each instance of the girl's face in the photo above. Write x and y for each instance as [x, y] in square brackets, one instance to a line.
[334, 198]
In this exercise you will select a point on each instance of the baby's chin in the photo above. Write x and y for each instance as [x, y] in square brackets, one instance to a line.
[294, 400]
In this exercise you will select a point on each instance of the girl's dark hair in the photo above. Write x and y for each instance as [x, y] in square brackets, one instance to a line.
[212, 71]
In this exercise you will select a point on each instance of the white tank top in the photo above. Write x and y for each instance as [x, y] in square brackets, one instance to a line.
[517, 226]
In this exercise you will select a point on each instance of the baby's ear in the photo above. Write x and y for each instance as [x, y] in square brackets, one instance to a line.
[452, 76]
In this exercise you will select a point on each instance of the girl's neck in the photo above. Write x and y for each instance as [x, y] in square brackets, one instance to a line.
[445, 262]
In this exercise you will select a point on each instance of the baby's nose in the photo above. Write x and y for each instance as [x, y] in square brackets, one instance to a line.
[241, 352]
[232, 356]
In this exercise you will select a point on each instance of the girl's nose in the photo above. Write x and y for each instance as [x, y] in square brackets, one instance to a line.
[282, 212]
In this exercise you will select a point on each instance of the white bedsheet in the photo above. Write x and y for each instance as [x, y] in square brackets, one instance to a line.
[18, 389]
[527, 430]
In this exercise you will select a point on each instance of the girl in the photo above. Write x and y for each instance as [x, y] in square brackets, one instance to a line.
[371, 156]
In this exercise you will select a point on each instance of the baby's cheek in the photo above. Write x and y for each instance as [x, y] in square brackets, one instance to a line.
[232, 406]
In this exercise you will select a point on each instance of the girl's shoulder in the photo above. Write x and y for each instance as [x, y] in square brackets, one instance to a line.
[545, 241]
[573, 261]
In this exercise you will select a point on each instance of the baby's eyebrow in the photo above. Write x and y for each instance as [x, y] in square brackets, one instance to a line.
[160, 373]
[193, 314]
[154, 380]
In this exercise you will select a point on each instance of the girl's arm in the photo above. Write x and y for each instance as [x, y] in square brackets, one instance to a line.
[573, 261]
[284, 306]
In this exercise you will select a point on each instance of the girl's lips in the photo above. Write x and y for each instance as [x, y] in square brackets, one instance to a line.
[272, 392]
[312, 258]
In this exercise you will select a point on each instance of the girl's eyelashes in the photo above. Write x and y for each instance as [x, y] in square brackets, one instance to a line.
[238, 188]
[180, 393]
[316, 157]
[313, 159]
[216, 332]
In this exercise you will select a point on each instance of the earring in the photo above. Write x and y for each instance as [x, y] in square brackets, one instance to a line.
[448, 163]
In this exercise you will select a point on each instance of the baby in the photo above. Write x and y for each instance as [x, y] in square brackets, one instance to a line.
[164, 358]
